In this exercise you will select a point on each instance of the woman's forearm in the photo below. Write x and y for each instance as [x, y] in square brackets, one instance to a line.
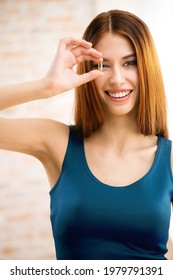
[12, 95]
[60, 77]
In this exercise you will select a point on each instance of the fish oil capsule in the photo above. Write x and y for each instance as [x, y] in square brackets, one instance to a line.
[100, 66]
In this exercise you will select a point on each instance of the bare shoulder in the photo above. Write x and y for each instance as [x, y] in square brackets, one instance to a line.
[56, 142]
[56, 127]
[56, 136]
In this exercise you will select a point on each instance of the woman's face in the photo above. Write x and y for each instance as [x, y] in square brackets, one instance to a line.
[119, 86]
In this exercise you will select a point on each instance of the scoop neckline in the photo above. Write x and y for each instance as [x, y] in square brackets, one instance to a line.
[125, 187]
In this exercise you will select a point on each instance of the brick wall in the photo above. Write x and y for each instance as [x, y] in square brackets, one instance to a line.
[29, 32]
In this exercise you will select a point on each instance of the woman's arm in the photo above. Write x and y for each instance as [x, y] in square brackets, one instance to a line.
[169, 254]
[12, 95]
[32, 136]
[60, 77]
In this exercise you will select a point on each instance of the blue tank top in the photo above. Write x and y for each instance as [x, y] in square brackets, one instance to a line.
[94, 221]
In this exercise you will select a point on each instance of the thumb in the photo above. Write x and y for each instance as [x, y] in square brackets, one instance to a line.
[87, 77]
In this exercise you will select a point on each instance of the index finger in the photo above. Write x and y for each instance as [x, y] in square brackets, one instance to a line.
[71, 42]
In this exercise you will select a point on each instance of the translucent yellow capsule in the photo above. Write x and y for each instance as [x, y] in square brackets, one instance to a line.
[100, 66]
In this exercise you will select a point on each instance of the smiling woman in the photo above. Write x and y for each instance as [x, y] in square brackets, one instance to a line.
[110, 173]
[152, 103]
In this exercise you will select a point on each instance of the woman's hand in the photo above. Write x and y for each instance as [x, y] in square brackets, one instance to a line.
[61, 75]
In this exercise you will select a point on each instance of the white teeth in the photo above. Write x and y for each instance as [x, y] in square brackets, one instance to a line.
[120, 94]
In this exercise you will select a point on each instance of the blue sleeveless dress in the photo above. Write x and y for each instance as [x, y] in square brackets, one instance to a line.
[94, 221]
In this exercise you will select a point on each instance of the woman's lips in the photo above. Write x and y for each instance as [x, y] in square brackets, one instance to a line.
[120, 96]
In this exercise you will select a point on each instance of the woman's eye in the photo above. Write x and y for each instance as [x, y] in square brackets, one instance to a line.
[106, 66]
[130, 63]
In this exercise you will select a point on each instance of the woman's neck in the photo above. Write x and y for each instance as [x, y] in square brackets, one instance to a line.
[120, 132]
[121, 127]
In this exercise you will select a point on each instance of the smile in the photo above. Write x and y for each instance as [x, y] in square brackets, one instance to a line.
[119, 94]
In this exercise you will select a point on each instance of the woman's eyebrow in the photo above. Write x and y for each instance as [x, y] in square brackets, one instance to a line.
[129, 56]
[124, 57]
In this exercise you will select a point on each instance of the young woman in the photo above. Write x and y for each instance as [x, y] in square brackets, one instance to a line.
[110, 173]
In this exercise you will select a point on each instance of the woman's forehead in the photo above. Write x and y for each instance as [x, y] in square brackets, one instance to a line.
[111, 44]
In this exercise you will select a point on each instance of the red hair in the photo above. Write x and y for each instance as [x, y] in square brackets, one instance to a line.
[151, 112]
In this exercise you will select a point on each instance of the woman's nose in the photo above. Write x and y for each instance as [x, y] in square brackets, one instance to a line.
[117, 76]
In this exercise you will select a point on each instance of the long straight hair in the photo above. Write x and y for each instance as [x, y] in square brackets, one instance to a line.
[151, 111]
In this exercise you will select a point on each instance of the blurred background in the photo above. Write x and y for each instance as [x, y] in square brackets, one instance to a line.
[29, 34]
